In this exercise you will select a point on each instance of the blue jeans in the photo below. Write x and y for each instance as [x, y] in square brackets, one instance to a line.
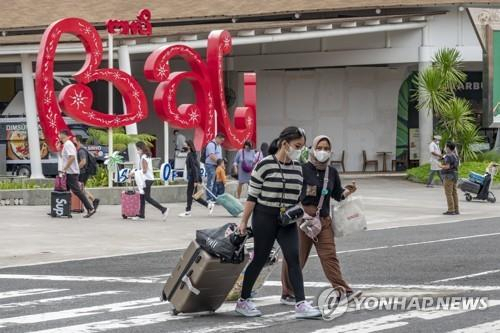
[210, 171]
[220, 188]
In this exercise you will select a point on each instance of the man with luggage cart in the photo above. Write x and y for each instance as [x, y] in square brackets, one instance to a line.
[212, 153]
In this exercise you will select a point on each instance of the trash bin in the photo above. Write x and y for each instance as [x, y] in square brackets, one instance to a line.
[3, 159]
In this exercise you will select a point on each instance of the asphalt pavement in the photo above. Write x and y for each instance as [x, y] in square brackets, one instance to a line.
[121, 293]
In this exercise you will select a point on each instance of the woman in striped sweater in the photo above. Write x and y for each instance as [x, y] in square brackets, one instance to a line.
[275, 184]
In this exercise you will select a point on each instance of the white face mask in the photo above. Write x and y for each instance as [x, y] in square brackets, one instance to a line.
[321, 155]
[293, 154]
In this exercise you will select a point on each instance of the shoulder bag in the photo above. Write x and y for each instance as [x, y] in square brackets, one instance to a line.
[311, 225]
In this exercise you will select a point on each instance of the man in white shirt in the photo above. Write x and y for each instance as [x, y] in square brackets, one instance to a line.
[435, 159]
[72, 170]
[179, 140]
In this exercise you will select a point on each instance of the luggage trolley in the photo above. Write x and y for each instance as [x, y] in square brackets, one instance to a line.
[478, 185]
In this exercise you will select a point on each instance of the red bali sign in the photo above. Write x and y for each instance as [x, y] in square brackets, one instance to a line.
[205, 77]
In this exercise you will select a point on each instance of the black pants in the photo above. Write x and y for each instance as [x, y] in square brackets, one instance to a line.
[190, 192]
[265, 231]
[74, 186]
[147, 197]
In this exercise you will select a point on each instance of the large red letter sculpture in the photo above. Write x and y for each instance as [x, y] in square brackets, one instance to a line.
[207, 82]
[76, 99]
[200, 116]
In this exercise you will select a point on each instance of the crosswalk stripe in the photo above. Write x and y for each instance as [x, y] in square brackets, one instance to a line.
[77, 278]
[395, 320]
[149, 319]
[28, 292]
[58, 299]
[80, 312]
[468, 276]
[492, 326]
[310, 284]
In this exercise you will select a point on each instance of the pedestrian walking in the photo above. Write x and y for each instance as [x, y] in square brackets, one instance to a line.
[84, 164]
[312, 191]
[144, 177]
[275, 187]
[194, 180]
[264, 149]
[449, 173]
[212, 153]
[244, 162]
[72, 170]
[179, 140]
[220, 178]
[435, 160]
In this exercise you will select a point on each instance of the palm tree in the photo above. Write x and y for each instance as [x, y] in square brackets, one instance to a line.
[435, 92]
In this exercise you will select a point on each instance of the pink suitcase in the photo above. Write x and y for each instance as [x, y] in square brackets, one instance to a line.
[131, 203]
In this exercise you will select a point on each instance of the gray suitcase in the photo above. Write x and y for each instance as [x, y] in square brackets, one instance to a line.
[469, 186]
[200, 282]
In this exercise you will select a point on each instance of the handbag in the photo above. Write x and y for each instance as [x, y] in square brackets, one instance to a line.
[293, 214]
[311, 225]
[348, 217]
[60, 183]
[199, 193]
[224, 242]
[244, 165]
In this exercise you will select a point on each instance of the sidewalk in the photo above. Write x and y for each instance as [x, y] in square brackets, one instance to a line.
[29, 236]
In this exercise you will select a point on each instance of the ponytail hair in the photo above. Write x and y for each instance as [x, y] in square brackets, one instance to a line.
[287, 135]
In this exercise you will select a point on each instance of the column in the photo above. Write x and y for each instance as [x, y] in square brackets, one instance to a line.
[124, 65]
[425, 117]
[31, 117]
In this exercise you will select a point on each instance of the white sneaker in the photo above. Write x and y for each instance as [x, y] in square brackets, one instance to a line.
[247, 308]
[304, 309]
[185, 214]
[137, 218]
[165, 214]
[211, 206]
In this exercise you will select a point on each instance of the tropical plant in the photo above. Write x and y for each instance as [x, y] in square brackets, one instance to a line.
[120, 139]
[435, 93]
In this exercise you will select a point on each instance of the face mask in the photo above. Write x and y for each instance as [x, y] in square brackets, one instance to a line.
[321, 155]
[293, 154]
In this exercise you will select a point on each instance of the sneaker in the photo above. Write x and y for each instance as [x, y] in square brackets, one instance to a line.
[456, 213]
[185, 214]
[211, 206]
[95, 203]
[429, 186]
[137, 218]
[247, 308]
[449, 213]
[304, 309]
[165, 214]
[287, 300]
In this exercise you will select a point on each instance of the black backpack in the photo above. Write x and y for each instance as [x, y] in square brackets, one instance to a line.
[203, 156]
[91, 166]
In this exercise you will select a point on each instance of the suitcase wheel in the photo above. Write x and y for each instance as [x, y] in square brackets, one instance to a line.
[124, 216]
[175, 312]
[468, 197]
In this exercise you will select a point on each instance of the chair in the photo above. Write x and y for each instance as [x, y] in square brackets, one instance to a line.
[341, 161]
[367, 162]
[402, 159]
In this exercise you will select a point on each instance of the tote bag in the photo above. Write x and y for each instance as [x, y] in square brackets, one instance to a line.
[348, 217]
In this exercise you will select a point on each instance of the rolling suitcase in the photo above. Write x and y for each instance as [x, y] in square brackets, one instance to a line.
[76, 203]
[230, 203]
[469, 186]
[60, 204]
[131, 203]
[200, 281]
[266, 271]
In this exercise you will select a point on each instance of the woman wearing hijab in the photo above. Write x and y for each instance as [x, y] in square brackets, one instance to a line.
[312, 191]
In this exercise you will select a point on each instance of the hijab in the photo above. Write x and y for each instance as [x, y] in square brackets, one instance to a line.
[312, 159]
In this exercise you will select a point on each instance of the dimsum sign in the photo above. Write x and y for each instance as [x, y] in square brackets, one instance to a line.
[205, 77]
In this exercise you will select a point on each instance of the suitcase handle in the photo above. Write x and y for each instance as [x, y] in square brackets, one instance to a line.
[190, 286]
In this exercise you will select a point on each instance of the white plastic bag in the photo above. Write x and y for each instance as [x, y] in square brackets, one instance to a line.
[348, 217]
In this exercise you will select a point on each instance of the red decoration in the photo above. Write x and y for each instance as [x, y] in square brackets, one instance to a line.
[141, 26]
[201, 115]
[207, 82]
[76, 99]
[219, 44]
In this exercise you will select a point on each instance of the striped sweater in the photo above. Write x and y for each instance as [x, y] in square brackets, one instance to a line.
[266, 183]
